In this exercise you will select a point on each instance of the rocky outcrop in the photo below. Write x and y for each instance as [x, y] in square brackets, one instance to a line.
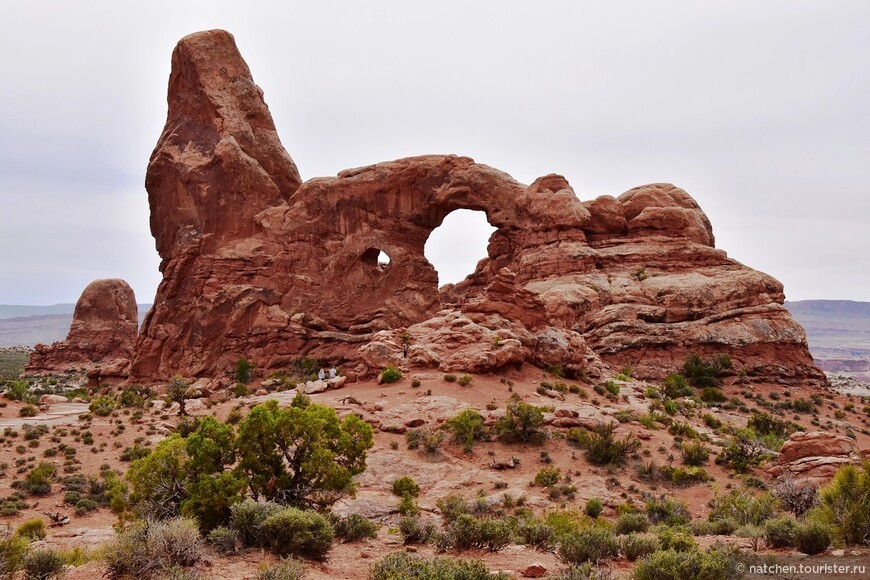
[101, 338]
[812, 459]
[259, 265]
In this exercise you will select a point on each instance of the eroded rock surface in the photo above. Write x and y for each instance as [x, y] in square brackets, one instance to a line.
[259, 265]
[812, 459]
[101, 338]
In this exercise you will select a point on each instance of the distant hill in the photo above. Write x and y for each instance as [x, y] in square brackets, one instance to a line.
[29, 325]
[838, 332]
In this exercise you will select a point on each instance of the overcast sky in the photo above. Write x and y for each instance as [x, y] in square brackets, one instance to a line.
[759, 109]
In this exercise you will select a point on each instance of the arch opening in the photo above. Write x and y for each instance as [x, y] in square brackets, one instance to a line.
[376, 258]
[456, 246]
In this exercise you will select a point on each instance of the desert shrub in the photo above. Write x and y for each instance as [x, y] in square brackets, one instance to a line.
[38, 480]
[675, 538]
[743, 451]
[611, 387]
[537, 534]
[244, 371]
[713, 564]
[682, 476]
[796, 499]
[603, 448]
[742, 508]
[779, 532]
[703, 373]
[247, 518]
[135, 452]
[585, 571]
[415, 530]
[694, 453]
[675, 386]
[149, 549]
[711, 421]
[594, 507]
[296, 532]
[43, 564]
[465, 380]
[801, 406]
[31, 530]
[406, 486]
[467, 531]
[17, 390]
[408, 506]
[635, 546]
[302, 455]
[390, 375]
[765, 424]
[467, 427]
[666, 510]
[588, 545]
[285, 569]
[548, 476]
[403, 566]
[845, 504]
[13, 549]
[812, 537]
[521, 422]
[425, 438]
[712, 395]
[450, 378]
[452, 506]
[630, 523]
[225, 540]
[355, 527]
[102, 406]
[27, 411]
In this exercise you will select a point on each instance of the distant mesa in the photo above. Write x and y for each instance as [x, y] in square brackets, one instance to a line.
[101, 339]
[258, 264]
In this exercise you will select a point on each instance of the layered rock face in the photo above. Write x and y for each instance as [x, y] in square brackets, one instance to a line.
[812, 459]
[101, 338]
[258, 265]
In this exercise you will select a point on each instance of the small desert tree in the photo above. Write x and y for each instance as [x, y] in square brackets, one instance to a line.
[178, 391]
[301, 455]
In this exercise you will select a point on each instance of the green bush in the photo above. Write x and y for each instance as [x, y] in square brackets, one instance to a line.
[594, 507]
[668, 511]
[465, 380]
[602, 447]
[405, 486]
[694, 453]
[390, 375]
[742, 508]
[425, 438]
[588, 545]
[27, 411]
[635, 546]
[355, 527]
[467, 427]
[743, 451]
[537, 534]
[296, 532]
[150, 549]
[43, 564]
[414, 530]
[38, 480]
[703, 373]
[713, 564]
[586, 571]
[31, 530]
[522, 422]
[779, 532]
[845, 504]
[675, 386]
[224, 540]
[404, 566]
[467, 531]
[676, 538]
[13, 549]
[630, 523]
[244, 371]
[712, 395]
[102, 406]
[449, 378]
[285, 569]
[548, 476]
[247, 518]
[812, 538]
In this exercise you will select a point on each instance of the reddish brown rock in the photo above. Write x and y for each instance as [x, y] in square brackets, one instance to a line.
[258, 265]
[813, 458]
[101, 338]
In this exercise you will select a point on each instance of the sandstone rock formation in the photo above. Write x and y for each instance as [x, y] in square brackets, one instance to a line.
[813, 458]
[259, 265]
[101, 338]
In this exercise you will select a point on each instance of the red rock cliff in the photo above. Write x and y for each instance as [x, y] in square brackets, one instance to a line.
[258, 265]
